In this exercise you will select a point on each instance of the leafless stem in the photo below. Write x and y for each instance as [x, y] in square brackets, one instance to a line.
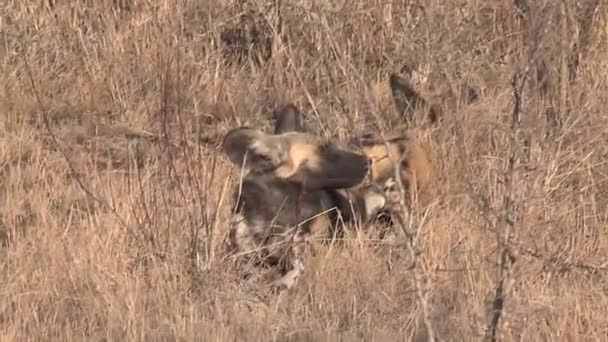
[55, 140]
[408, 220]
[564, 59]
[403, 214]
[508, 219]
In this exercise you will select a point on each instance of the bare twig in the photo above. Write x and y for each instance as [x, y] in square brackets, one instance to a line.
[73, 173]
[403, 214]
[409, 222]
[509, 217]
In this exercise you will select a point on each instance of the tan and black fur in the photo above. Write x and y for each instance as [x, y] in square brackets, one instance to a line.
[416, 169]
[295, 179]
[296, 156]
[402, 145]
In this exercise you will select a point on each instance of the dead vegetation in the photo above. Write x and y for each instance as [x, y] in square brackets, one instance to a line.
[114, 202]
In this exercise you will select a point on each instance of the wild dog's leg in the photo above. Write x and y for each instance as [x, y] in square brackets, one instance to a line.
[244, 244]
[295, 264]
[394, 213]
[394, 207]
[295, 251]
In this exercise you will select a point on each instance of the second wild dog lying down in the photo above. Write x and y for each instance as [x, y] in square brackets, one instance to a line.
[402, 145]
[294, 179]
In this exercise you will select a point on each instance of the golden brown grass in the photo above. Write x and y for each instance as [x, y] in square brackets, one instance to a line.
[113, 215]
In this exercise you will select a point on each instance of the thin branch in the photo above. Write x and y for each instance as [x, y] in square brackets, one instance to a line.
[73, 174]
[509, 219]
[406, 223]
[408, 220]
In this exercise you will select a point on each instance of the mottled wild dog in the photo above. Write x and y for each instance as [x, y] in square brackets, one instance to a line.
[402, 145]
[295, 186]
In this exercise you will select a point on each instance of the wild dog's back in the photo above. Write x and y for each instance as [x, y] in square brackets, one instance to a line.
[281, 202]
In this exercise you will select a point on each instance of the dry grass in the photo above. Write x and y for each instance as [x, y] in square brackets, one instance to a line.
[112, 214]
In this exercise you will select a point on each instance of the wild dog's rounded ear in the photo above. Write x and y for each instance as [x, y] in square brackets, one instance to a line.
[263, 152]
[237, 142]
[407, 99]
[336, 169]
[404, 95]
[287, 119]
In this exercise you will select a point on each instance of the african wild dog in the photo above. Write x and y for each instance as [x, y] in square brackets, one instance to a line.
[402, 145]
[295, 179]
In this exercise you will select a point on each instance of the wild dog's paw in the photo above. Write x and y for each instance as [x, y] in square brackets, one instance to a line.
[391, 191]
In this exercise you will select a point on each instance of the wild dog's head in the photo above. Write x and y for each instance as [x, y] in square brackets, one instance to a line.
[300, 157]
[401, 145]
[383, 153]
[365, 200]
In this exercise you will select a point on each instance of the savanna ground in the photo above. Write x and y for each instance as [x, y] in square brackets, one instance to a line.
[115, 200]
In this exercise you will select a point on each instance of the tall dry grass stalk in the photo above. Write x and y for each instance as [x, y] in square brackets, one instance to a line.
[115, 202]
